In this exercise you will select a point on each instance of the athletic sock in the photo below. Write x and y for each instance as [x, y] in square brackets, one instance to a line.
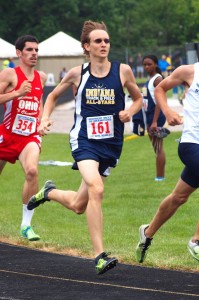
[26, 216]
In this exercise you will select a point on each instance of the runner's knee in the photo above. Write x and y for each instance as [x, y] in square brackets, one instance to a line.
[31, 173]
[180, 198]
[96, 191]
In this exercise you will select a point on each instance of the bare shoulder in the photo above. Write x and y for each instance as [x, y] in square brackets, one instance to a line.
[7, 73]
[8, 80]
[125, 68]
[8, 76]
[126, 75]
[157, 80]
[185, 68]
[184, 72]
[75, 71]
[73, 75]
[126, 71]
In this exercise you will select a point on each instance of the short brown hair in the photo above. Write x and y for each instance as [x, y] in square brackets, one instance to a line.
[21, 41]
[86, 30]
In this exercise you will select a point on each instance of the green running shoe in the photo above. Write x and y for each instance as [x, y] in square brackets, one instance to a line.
[143, 244]
[28, 233]
[193, 248]
[104, 263]
[41, 196]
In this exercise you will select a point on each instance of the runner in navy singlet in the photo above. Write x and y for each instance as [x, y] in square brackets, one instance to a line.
[97, 135]
[154, 117]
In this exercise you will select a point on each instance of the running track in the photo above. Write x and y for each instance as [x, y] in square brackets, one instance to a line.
[37, 275]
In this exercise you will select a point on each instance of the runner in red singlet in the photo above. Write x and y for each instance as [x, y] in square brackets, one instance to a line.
[21, 90]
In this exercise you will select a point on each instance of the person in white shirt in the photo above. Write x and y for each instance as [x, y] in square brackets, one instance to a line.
[188, 151]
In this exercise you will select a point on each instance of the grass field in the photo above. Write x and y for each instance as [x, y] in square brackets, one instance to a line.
[131, 199]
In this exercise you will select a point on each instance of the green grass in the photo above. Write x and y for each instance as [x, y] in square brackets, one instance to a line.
[131, 199]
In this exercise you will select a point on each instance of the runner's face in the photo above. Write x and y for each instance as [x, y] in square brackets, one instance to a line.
[99, 44]
[29, 54]
[149, 65]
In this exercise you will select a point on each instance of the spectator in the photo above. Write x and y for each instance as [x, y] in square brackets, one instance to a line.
[139, 66]
[62, 74]
[11, 63]
[5, 64]
[178, 91]
[163, 65]
[170, 67]
[132, 65]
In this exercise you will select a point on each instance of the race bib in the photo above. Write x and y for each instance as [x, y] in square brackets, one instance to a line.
[100, 127]
[24, 125]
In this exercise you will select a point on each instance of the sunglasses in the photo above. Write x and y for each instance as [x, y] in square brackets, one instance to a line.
[98, 41]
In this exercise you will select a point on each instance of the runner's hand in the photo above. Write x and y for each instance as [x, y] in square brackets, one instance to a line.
[173, 118]
[44, 127]
[25, 88]
[124, 116]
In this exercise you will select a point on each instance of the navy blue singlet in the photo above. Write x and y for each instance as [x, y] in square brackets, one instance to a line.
[151, 109]
[98, 103]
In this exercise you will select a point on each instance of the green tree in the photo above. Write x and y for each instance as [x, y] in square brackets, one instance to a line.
[133, 24]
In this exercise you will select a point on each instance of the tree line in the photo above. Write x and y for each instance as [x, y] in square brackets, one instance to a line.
[133, 25]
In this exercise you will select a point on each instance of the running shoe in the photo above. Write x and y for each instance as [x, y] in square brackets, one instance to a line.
[104, 263]
[28, 233]
[41, 196]
[193, 248]
[143, 244]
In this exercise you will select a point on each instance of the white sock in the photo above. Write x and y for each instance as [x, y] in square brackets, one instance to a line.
[26, 216]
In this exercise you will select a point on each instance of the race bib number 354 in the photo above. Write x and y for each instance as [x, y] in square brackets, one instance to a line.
[24, 125]
[100, 127]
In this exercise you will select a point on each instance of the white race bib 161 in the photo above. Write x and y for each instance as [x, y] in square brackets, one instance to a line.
[100, 127]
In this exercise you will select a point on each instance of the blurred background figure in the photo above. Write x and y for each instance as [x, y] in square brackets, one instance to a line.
[5, 64]
[62, 74]
[170, 67]
[163, 65]
[139, 66]
[178, 91]
[11, 63]
[132, 64]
